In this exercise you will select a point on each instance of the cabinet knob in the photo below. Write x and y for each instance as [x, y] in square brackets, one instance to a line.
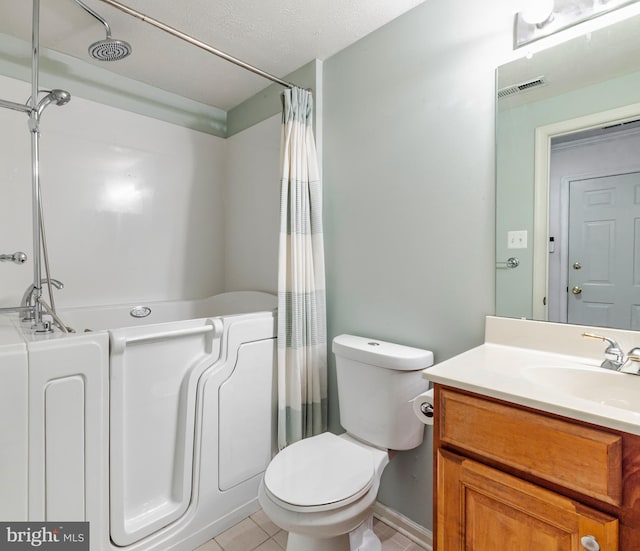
[590, 543]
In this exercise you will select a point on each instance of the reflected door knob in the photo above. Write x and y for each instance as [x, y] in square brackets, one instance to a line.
[576, 290]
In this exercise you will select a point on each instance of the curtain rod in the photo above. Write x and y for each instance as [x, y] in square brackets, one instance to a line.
[196, 42]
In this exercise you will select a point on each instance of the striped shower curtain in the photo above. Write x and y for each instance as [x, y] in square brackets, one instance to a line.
[302, 338]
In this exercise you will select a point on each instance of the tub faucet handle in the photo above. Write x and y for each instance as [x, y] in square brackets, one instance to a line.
[17, 258]
[28, 300]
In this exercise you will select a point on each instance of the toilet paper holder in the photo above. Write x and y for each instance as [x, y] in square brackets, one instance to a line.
[427, 409]
[424, 407]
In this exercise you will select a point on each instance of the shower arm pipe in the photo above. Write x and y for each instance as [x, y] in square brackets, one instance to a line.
[196, 42]
[96, 15]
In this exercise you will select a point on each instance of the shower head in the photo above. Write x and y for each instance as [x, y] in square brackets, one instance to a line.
[108, 49]
[60, 97]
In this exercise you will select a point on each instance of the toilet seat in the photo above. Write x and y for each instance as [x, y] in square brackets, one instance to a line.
[320, 473]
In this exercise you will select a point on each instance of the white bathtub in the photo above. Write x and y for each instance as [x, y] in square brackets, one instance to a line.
[124, 315]
[156, 430]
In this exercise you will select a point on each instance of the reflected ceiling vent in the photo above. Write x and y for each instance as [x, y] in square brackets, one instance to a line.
[522, 87]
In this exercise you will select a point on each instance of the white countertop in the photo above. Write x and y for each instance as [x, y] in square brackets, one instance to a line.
[512, 373]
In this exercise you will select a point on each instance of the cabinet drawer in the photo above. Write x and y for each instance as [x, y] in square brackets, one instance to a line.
[584, 459]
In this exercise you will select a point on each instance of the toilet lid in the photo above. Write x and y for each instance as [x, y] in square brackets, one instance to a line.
[320, 470]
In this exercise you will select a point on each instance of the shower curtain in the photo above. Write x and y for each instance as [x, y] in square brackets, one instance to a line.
[302, 338]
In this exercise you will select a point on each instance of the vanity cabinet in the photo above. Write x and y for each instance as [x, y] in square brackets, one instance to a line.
[515, 478]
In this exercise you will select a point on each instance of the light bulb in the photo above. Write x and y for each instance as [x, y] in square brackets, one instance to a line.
[537, 11]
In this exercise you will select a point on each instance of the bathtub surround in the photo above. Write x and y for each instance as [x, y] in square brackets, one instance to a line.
[302, 334]
[159, 211]
[132, 204]
[252, 194]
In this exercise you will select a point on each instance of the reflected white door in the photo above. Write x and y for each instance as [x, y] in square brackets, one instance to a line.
[604, 251]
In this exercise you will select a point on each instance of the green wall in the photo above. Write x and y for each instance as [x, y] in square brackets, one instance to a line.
[409, 195]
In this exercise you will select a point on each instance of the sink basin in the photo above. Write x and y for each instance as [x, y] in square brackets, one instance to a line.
[570, 385]
[595, 384]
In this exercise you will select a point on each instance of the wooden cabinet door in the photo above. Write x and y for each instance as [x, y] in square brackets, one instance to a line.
[482, 509]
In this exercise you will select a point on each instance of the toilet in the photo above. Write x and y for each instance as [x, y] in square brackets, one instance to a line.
[323, 488]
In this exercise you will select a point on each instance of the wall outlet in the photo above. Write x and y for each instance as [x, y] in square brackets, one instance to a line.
[517, 239]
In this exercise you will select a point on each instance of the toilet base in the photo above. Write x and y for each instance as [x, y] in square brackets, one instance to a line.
[300, 542]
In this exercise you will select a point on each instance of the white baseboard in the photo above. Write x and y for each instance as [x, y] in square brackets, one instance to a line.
[416, 533]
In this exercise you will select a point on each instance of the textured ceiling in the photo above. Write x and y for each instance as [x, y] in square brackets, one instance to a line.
[277, 36]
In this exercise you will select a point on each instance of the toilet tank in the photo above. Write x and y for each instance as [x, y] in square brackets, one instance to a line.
[377, 381]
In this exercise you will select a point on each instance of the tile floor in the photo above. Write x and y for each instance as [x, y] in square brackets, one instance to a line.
[258, 533]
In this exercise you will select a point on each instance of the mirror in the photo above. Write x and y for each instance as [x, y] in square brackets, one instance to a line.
[568, 180]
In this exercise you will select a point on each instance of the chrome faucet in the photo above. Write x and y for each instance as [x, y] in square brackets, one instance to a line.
[616, 359]
[632, 365]
[28, 300]
[614, 356]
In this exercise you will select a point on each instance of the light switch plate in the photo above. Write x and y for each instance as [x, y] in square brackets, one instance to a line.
[517, 239]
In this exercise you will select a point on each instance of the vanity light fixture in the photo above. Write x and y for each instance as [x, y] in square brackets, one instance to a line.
[537, 12]
[540, 18]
